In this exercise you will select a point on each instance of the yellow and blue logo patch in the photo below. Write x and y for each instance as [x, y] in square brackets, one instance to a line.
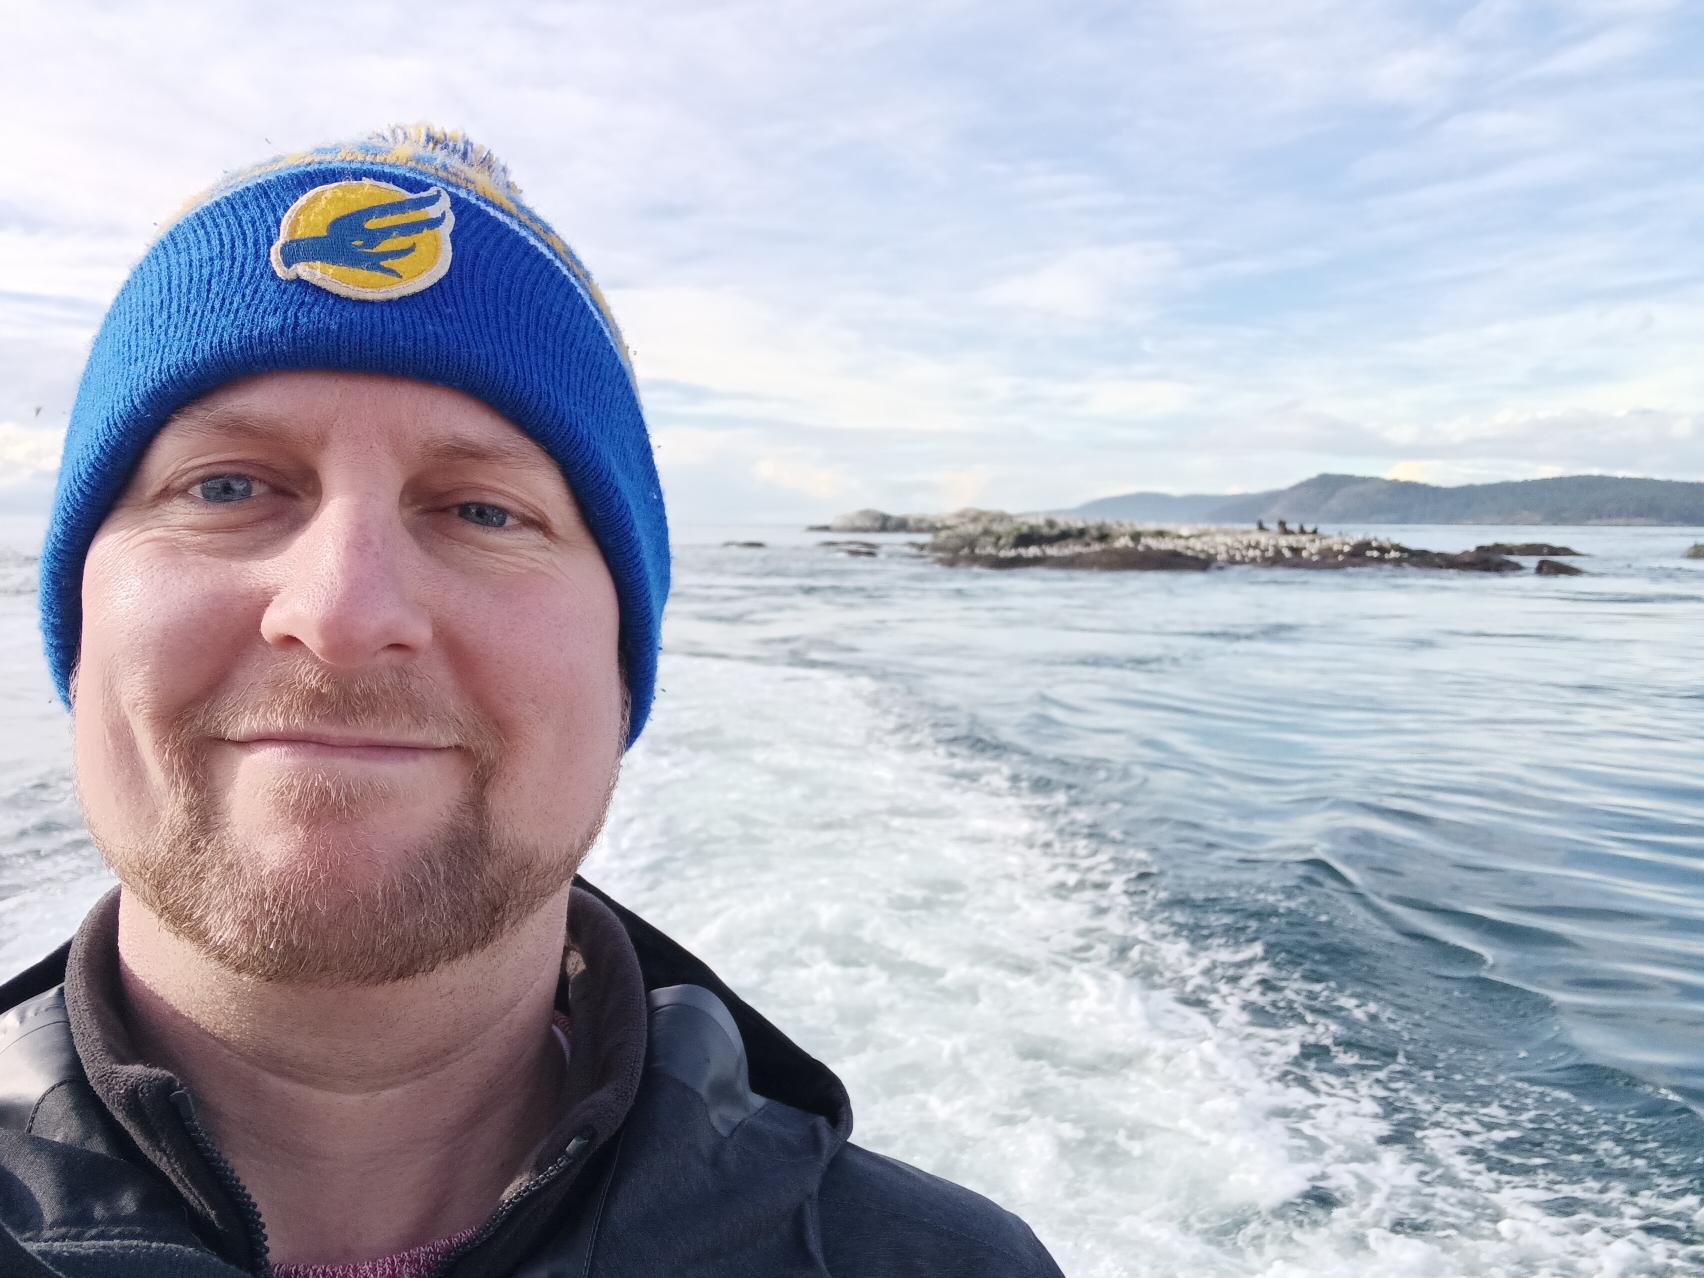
[367, 240]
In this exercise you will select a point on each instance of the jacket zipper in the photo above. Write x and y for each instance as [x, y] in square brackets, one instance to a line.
[513, 1202]
[227, 1177]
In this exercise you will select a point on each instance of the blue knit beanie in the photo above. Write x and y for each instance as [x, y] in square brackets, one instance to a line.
[408, 253]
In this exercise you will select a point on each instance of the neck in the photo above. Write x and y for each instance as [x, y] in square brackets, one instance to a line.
[363, 1120]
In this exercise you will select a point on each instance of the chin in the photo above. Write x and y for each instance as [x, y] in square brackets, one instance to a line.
[328, 866]
[352, 903]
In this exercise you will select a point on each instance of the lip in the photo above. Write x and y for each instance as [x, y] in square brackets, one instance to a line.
[372, 749]
[336, 737]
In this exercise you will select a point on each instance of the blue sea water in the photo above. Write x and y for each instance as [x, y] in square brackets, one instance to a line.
[1252, 922]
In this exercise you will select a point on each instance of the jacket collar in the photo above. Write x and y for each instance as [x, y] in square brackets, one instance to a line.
[780, 1069]
[605, 995]
[604, 1000]
[139, 1096]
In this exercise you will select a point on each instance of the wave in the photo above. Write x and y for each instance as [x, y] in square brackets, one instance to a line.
[1017, 1001]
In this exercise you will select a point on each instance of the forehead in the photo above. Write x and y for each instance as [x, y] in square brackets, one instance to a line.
[323, 412]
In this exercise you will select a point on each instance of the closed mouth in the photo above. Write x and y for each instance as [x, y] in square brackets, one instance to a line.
[340, 747]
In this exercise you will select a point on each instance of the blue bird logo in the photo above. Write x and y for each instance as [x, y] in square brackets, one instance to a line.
[366, 240]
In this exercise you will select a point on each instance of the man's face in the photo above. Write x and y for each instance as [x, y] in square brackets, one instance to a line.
[348, 703]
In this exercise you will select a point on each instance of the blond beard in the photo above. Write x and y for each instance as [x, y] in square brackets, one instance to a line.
[467, 883]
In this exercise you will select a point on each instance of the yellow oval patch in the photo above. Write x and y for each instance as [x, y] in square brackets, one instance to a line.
[367, 240]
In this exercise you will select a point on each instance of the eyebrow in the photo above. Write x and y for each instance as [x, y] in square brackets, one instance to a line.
[216, 424]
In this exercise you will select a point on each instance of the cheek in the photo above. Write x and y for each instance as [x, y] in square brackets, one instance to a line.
[150, 646]
[559, 706]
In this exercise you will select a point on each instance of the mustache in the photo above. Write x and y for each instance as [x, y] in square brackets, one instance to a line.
[393, 702]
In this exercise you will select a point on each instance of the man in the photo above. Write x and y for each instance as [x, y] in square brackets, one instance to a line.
[353, 586]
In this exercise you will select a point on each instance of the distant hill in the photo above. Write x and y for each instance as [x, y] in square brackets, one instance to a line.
[1356, 499]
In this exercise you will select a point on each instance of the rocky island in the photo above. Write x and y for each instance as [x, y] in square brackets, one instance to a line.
[993, 539]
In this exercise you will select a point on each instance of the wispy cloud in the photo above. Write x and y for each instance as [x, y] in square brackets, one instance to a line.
[882, 253]
[26, 453]
[1093, 284]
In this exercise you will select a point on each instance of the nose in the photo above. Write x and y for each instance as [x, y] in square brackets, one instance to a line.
[348, 588]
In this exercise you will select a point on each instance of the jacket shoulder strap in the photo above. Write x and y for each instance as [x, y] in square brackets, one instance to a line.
[695, 1041]
[36, 1055]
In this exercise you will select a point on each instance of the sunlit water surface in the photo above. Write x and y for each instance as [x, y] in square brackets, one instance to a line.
[1242, 923]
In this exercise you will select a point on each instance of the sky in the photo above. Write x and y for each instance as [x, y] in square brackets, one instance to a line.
[921, 254]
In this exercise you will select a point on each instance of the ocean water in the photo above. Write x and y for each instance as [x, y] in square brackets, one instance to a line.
[1241, 923]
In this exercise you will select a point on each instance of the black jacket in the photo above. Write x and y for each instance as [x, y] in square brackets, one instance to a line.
[698, 1143]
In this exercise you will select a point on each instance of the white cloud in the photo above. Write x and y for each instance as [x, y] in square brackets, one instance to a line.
[1599, 52]
[1134, 397]
[27, 453]
[1413, 472]
[961, 488]
[748, 359]
[800, 477]
[878, 253]
[1088, 284]
[1449, 473]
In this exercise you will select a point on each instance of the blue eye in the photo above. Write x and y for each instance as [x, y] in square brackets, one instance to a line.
[225, 488]
[484, 514]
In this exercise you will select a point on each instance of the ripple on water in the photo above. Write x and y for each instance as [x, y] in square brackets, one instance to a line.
[49, 871]
[1357, 941]
[18, 572]
[1159, 1091]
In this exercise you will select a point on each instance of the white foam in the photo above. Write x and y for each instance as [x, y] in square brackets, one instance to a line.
[1004, 1019]
[1000, 1012]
